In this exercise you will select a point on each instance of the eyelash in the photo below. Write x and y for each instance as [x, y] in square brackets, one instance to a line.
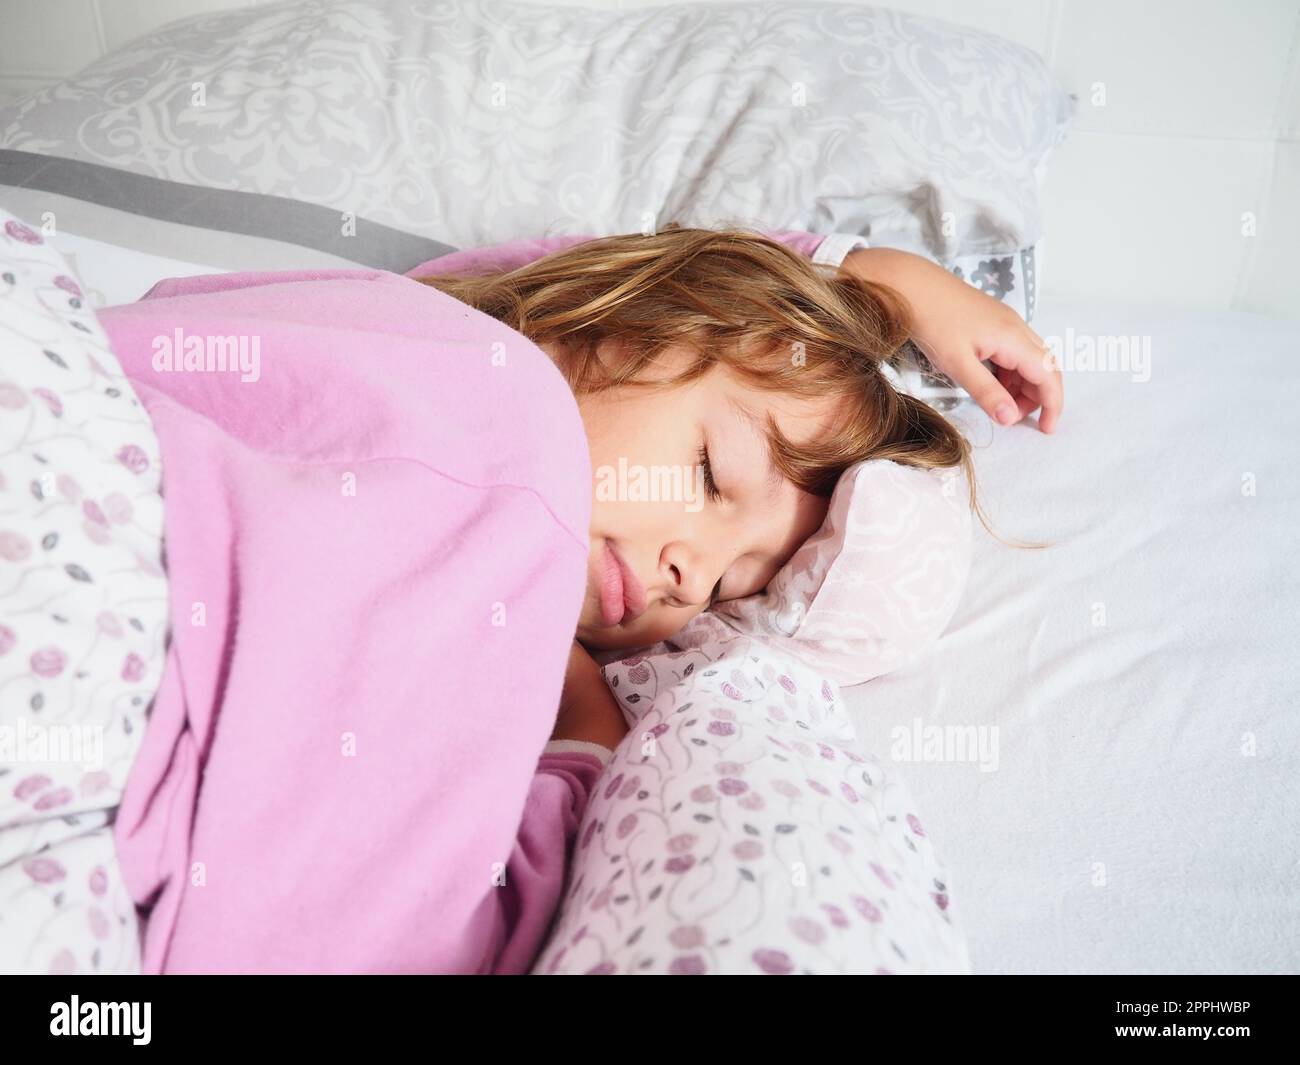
[710, 485]
[711, 490]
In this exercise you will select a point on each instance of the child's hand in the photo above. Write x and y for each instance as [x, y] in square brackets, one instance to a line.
[588, 710]
[960, 329]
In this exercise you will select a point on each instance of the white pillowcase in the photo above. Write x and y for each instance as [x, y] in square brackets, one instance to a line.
[477, 122]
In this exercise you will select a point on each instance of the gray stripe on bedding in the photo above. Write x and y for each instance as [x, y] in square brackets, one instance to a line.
[250, 214]
[205, 247]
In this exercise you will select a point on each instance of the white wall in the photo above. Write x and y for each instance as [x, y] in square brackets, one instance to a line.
[1200, 127]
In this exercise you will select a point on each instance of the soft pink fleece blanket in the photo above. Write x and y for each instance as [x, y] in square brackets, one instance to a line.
[377, 555]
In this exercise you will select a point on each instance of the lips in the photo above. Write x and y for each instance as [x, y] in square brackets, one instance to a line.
[621, 596]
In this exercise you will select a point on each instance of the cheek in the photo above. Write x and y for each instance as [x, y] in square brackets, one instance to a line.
[613, 517]
[640, 527]
[638, 428]
[664, 625]
[655, 625]
[809, 513]
[611, 425]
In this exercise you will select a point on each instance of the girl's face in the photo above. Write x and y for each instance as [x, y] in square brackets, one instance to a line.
[687, 507]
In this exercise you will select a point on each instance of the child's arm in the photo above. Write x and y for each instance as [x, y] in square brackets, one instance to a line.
[959, 329]
[588, 727]
[588, 710]
[537, 871]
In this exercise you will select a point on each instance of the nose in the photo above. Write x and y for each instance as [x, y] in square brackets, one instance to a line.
[690, 580]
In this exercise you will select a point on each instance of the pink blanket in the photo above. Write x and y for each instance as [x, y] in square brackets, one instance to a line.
[377, 552]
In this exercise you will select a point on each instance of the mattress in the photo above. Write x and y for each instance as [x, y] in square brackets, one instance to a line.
[1105, 745]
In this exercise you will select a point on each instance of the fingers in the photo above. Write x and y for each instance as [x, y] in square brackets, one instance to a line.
[1025, 394]
[992, 397]
[1009, 374]
[1026, 354]
[1053, 397]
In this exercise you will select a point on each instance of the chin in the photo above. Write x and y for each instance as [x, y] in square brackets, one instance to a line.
[615, 638]
[603, 638]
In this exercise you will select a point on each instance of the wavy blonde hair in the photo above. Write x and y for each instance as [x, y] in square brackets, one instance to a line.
[742, 300]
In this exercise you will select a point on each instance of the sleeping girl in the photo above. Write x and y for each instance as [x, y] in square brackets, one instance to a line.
[730, 352]
[386, 566]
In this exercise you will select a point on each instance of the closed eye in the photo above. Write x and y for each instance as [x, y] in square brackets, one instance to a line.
[710, 485]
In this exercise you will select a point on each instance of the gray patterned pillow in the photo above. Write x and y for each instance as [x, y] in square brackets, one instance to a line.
[388, 131]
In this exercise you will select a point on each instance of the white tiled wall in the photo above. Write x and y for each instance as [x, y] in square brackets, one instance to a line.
[1189, 123]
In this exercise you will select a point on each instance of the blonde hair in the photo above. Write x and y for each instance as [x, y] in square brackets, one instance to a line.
[739, 299]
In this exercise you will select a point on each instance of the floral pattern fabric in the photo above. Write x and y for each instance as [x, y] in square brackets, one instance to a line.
[738, 829]
[83, 616]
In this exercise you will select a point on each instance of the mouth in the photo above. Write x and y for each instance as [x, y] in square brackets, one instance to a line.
[622, 599]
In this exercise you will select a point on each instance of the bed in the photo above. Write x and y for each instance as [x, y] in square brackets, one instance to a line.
[1104, 741]
[1139, 677]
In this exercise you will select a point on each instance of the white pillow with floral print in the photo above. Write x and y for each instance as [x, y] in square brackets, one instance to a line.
[737, 829]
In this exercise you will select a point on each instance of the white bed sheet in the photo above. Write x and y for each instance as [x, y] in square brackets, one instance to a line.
[111, 274]
[1127, 827]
